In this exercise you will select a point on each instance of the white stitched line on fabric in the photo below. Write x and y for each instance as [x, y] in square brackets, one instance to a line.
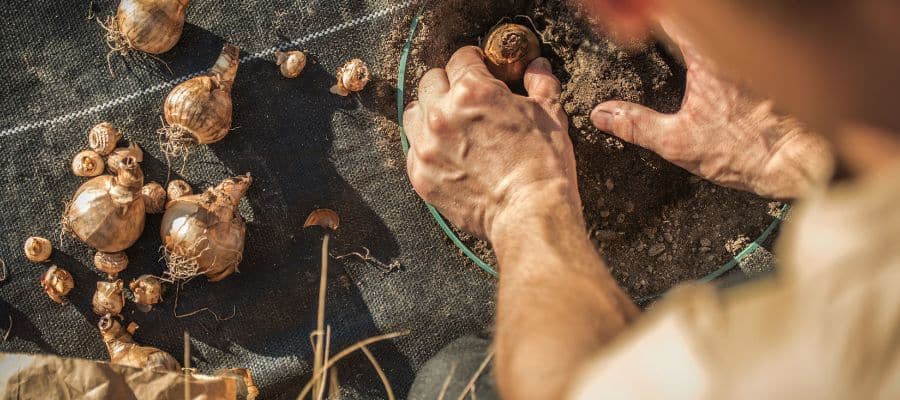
[250, 57]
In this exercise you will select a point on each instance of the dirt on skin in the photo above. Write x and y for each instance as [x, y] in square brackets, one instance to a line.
[654, 223]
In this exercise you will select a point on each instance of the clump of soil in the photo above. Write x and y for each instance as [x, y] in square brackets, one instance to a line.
[654, 223]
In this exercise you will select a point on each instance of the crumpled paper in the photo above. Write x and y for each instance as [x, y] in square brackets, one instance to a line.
[31, 376]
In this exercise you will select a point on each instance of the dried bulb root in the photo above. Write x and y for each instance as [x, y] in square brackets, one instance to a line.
[352, 77]
[147, 291]
[323, 217]
[198, 111]
[103, 138]
[290, 63]
[508, 50]
[57, 283]
[38, 249]
[109, 298]
[178, 188]
[115, 158]
[123, 350]
[87, 163]
[154, 198]
[111, 263]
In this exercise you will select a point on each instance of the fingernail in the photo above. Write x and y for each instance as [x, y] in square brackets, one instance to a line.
[602, 119]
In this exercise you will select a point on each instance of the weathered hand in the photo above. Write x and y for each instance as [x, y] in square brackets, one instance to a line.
[724, 134]
[480, 153]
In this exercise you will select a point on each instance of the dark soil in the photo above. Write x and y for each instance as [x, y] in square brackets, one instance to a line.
[654, 223]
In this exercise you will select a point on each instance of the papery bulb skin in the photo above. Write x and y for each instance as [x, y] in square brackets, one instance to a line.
[107, 212]
[123, 350]
[290, 63]
[88, 163]
[154, 198]
[103, 138]
[109, 298]
[151, 26]
[352, 77]
[115, 158]
[205, 233]
[147, 291]
[178, 188]
[38, 249]
[198, 111]
[57, 283]
[111, 263]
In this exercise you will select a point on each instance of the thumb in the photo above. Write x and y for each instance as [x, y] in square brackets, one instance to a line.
[539, 80]
[632, 123]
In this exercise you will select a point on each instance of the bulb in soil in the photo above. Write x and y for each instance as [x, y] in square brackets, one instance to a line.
[508, 50]
[57, 283]
[107, 212]
[198, 111]
[352, 77]
[204, 233]
[109, 298]
[38, 249]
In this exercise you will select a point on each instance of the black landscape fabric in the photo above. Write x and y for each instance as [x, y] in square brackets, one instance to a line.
[305, 148]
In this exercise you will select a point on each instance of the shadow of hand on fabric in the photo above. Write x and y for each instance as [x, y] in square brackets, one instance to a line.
[21, 327]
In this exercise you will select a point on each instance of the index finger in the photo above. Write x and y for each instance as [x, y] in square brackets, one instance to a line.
[467, 60]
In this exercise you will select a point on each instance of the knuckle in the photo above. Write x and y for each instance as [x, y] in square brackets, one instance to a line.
[428, 154]
[437, 122]
[470, 90]
[421, 184]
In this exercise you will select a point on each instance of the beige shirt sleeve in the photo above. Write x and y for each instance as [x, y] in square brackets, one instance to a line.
[827, 327]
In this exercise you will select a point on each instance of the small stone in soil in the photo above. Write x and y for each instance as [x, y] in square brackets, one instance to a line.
[704, 249]
[668, 237]
[656, 249]
[705, 242]
[620, 218]
[610, 184]
[605, 234]
[737, 244]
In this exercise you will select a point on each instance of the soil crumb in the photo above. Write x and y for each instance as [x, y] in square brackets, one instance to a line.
[654, 223]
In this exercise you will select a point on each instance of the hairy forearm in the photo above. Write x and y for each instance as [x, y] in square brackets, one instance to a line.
[558, 303]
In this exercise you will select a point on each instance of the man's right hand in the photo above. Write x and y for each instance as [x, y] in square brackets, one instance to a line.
[723, 134]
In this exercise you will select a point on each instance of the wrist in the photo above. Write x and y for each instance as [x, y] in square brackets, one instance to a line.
[547, 202]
